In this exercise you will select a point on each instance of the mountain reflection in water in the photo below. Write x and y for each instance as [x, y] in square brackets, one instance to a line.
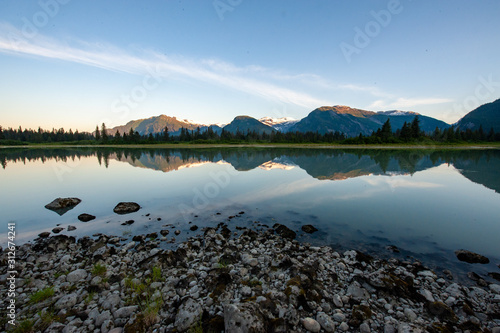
[479, 166]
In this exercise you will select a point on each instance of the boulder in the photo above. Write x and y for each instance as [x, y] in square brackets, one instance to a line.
[189, 313]
[86, 217]
[57, 230]
[284, 231]
[76, 275]
[243, 318]
[66, 302]
[311, 325]
[309, 229]
[126, 208]
[471, 257]
[44, 234]
[62, 205]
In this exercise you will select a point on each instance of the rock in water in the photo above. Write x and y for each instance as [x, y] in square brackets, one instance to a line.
[126, 207]
[284, 231]
[86, 217]
[309, 228]
[57, 230]
[471, 257]
[62, 205]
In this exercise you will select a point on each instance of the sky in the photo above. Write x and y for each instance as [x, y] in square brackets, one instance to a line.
[76, 64]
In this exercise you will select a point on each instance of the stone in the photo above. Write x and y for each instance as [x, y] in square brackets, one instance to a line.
[44, 234]
[364, 328]
[71, 227]
[311, 325]
[471, 257]
[284, 231]
[125, 312]
[309, 229]
[344, 327]
[62, 205]
[57, 230]
[243, 318]
[339, 317]
[126, 208]
[102, 317]
[246, 291]
[86, 217]
[189, 312]
[357, 292]
[66, 302]
[326, 322]
[76, 275]
[116, 330]
[164, 232]
[410, 314]
[495, 288]
[193, 228]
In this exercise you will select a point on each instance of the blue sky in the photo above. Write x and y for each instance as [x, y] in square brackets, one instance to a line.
[76, 64]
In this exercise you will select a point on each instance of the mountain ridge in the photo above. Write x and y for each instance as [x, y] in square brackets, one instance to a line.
[325, 119]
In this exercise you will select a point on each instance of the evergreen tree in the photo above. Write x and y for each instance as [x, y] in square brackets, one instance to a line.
[386, 131]
[104, 133]
[2, 136]
[165, 134]
[97, 133]
[415, 128]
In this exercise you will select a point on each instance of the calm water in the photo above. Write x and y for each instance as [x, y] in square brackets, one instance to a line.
[428, 203]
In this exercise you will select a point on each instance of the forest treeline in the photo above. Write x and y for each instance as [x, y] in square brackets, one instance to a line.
[409, 133]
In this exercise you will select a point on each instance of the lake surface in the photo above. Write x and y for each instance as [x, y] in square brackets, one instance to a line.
[427, 203]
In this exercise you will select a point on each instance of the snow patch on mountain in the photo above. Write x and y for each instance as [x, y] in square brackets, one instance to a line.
[280, 124]
[398, 113]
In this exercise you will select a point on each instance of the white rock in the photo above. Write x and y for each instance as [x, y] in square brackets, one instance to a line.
[325, 321]
[311, 325]
[76, 275]
[105, 316]
[339, 317]
[495, 288]
[338, 301]
[125, 312]
[427, 294]
[66, 302]
[364, 328]
[189, 312]
[246, 291]
[410, 314]
[344, 327]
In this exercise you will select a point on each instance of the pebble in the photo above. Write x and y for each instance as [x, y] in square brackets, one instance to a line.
[266, 279]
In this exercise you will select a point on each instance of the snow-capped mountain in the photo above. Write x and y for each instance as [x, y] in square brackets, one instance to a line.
[398, 113]
[280, 124]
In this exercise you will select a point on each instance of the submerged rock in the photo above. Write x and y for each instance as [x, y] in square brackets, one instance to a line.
[126, 208]
[86, 217]
[471, 257]
[309, 229]
[62, 205]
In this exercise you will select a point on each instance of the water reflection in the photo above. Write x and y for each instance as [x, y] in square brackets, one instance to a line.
[479, 166]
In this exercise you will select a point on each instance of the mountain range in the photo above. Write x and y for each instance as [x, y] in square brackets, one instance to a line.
[325, 119]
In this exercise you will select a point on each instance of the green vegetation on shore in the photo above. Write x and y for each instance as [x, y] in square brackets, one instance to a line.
[409, 135]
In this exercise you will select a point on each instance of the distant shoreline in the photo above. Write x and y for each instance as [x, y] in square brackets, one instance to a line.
[261, 145]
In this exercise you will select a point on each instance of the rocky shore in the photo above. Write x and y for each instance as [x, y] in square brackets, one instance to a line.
[217, 281]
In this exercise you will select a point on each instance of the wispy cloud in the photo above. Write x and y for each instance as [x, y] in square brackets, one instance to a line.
[266, 83]
[406, 103]
[109, 57]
